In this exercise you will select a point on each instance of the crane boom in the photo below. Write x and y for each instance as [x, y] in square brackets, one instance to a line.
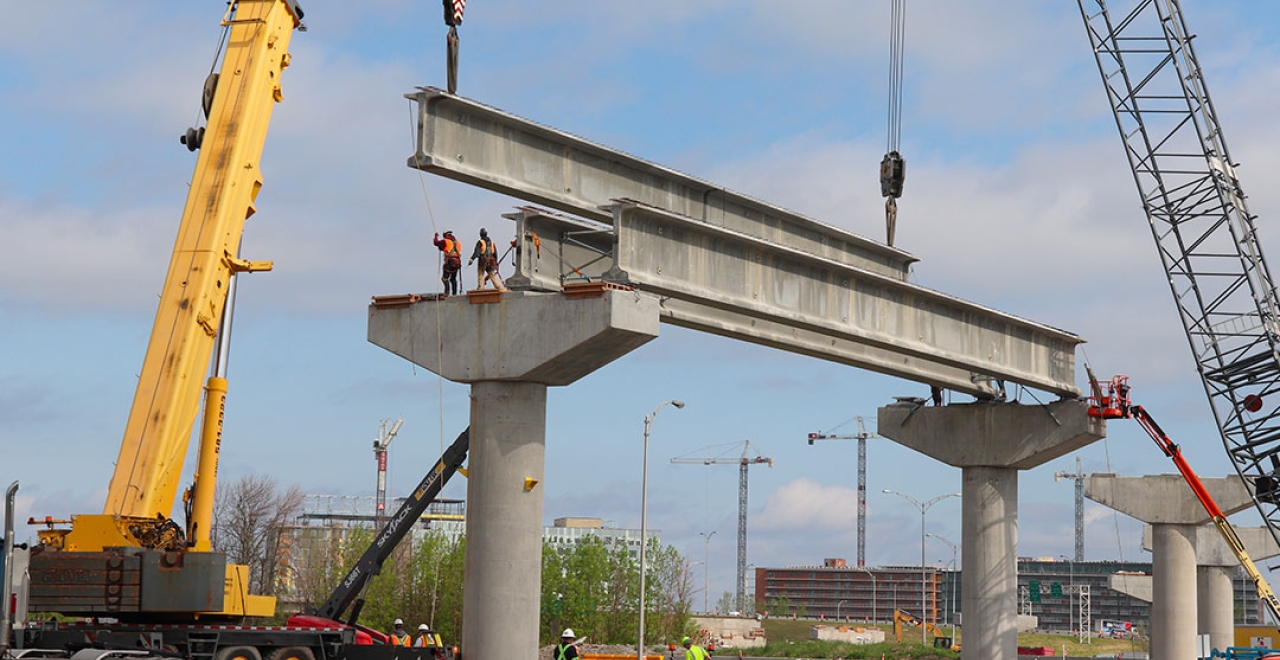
[1114, 404]
[1204, 232]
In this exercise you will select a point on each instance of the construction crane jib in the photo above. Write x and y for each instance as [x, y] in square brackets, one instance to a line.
[744, 461]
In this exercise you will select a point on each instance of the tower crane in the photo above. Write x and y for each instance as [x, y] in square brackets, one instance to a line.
[743, 462]
[1204, 232]
[1078, 476]
[385, 436]
[861, 436]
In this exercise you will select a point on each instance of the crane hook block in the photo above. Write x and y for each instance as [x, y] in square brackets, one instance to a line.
[453, 12]
[893, 172]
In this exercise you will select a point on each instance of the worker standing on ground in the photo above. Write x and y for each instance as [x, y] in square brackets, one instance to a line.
[487, 268]
[566, 649]
[428, 639]
[693, 651]
[400, 636]
[452, 250]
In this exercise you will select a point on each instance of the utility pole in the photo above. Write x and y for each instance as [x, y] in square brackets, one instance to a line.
[1079, 478]
[385, 436]
[743, 462]
[861, 437]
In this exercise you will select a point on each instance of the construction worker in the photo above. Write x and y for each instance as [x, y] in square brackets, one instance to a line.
[566, 649]
[487, 269]
[452, 250]
[400, 636]
[429, 640]
[693, 651]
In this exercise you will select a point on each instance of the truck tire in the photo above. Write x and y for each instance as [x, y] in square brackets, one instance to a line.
[292, 653]
[238, 653]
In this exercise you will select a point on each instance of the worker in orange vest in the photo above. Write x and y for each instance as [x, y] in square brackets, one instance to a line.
[400, 636]
[487, 269]
[452, 250]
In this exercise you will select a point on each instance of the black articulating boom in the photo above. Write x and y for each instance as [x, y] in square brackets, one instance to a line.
[350, 592]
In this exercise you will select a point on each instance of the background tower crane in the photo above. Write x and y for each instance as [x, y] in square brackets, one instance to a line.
[386, 433]
[861, 437]
[1078, 476]
[744, 462]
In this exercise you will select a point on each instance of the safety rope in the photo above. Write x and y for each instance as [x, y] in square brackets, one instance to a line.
[426, 198]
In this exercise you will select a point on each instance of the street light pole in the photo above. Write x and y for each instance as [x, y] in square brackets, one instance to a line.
[873, 591]
[838, 608]
[951, 609]
[644, 513]
[706, 565]
[924, 507]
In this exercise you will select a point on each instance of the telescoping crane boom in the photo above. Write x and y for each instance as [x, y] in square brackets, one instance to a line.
[170, 566]
[1111, 401]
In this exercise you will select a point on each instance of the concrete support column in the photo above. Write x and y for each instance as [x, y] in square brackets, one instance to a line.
[989, 540]
[504, 517]
[1173, 606]
[1217, 606]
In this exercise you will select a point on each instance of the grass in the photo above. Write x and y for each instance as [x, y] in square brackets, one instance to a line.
[789, 638]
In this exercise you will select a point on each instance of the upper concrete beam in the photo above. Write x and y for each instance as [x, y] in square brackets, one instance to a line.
[1134, 586]
[464, 140]
[526, 336]
[1212, 550]
[1165, 498]
[991, 434]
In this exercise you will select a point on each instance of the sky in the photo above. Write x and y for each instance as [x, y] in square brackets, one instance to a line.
[1017, 197]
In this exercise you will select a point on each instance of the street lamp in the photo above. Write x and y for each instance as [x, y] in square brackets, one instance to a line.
[873, 591]
[706, 565]
[838, 608]
[951, 611]
[644, 512]
[923, 506]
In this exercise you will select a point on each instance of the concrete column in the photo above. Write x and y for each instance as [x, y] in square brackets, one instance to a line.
[989, 540]
[510, 348]
[504, 518]
[1177, 520]
[1217, 606]
[990, 442]
[1173, 605]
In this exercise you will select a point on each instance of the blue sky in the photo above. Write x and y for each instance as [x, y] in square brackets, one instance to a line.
[1017, 197]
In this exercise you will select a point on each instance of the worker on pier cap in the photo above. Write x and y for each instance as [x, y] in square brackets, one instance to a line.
[566, 649]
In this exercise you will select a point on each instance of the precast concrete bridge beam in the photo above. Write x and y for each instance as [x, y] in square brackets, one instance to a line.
[1177, 518]
[1215, 563]
[990, 442]
[510, 351]
[731, 264]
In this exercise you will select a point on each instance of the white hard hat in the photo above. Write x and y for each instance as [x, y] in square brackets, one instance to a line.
[399, 622]
[568, 632]
[423, 627]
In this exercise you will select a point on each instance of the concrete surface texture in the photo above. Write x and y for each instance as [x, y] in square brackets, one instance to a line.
[990, 442]
[510, 351]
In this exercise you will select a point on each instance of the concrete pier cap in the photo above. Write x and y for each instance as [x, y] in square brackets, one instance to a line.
[990, 441]
[510, 347]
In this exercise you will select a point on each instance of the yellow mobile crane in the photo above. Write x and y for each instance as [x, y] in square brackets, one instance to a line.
[133, 560]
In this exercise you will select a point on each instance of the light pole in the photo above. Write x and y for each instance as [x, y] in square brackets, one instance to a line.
[1071, 612]
[838, 608]
[951, 609]
[644, 513]
[923, 506]
[706, 565]
[873, 591]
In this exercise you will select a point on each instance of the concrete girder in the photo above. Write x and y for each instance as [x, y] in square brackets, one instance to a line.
[510, 351]
[467, 141]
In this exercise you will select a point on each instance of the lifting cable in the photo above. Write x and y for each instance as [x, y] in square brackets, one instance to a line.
[453, 18]
[893, 169]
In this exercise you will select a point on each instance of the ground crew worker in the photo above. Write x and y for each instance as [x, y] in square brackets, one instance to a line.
[693, 651]
[487, 268]
[426, 637]
[566, 649]
[452, 250]
[400, 636]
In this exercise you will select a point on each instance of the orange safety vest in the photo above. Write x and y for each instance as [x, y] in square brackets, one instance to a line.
[403, 639]
[452, 247]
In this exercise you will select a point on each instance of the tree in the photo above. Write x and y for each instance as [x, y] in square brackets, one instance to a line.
[725, 604]
[248, 517]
